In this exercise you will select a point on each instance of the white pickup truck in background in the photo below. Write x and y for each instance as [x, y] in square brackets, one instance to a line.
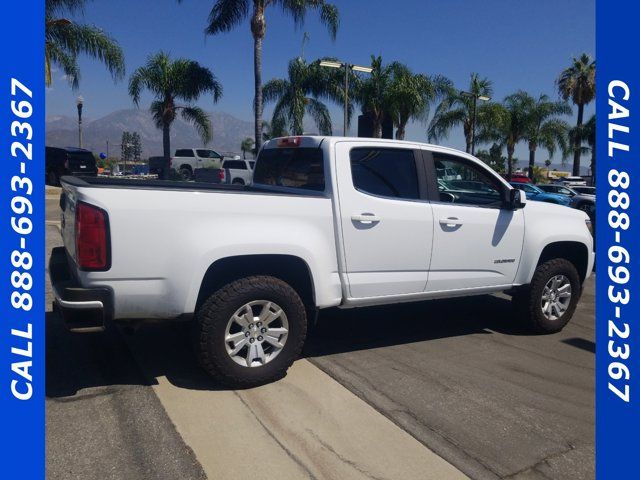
[187, 160]
[327, 222]
[240, 171]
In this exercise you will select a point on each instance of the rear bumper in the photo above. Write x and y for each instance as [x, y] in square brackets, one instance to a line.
[83, 310]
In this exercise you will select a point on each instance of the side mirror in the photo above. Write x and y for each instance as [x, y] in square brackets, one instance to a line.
[517, 199]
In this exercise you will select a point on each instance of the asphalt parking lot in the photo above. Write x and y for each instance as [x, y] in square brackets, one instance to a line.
[459, 376]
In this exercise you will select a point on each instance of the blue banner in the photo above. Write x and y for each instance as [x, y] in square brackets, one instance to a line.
[617, 252]
[22, 240]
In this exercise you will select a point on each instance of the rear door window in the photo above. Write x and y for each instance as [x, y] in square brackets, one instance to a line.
[290, 167]
[387, 172]
[184, 153]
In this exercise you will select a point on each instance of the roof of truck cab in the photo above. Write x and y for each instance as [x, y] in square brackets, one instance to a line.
[317, 140]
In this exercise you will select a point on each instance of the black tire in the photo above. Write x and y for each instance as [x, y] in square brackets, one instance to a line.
[238, 181]
[211, 323]
[185, 172]
[527, 300]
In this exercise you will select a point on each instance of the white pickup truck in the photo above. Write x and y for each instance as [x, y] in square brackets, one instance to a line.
[187, 160]
[327, 221]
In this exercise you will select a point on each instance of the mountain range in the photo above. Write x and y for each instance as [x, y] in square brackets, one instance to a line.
[62, 131]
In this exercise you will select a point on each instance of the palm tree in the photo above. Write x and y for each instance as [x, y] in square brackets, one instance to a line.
[171, 81]
[65, 40]
[578, 83]
[247, 146]
[544, 128]
[411, 95]
[270, 131]
[373, 93]
[509, 125]
[226, 14]
[457, 109]
[299, 95]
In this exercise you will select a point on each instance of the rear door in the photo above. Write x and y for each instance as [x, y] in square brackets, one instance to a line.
[386, 219]
[477, 242]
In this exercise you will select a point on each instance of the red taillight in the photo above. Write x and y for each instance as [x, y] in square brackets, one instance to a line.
[221, 175]
[92, 249]
[289, 142]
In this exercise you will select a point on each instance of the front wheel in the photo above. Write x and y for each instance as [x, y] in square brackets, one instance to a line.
[250, 331]
[549, 301]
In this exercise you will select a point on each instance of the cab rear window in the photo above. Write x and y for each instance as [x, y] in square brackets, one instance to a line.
[290, 167]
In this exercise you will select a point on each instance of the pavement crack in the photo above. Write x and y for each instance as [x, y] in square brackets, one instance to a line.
[544, 460]
[289, 453]
[342, 458]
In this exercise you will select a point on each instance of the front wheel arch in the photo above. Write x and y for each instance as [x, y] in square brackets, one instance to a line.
[575, 252]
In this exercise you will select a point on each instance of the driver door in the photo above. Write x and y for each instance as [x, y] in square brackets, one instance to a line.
[477, 242]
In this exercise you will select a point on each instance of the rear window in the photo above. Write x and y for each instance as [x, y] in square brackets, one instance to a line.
[85, 158]
[290, 167]
[235, 165]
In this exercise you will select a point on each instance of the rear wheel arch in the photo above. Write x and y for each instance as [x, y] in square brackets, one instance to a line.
[291, 269]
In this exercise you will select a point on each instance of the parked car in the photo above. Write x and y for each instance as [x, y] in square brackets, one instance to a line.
[571, 181]
[584, 190]
[68, 161]
[327, 222]
[538, 195]
[518, 177]
[187, 160]
[557, 188]
[241, 171]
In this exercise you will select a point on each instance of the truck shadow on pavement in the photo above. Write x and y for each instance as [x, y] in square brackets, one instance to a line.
[79, 361]
[341, 331]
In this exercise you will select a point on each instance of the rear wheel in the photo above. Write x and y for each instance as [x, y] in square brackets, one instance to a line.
[549, 301]
[238, 181]
[185, 172]
[250, 331]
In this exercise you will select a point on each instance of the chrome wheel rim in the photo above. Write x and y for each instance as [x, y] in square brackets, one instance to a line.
[256, 333]
[556, 297]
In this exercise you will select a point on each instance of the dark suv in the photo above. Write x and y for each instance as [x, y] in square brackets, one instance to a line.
[68, 161]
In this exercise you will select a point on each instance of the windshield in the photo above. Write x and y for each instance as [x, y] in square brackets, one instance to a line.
[527, 187]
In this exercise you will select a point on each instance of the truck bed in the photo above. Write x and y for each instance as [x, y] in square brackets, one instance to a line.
[115, 183]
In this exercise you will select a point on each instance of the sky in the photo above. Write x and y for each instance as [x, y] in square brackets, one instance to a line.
[518, 44]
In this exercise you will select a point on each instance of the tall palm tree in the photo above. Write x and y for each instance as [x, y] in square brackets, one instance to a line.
[372, 93]
[171, 81]
[544, 128]
[65, 40]
[247, 146]
[457, 110]
[509, 125]
[411, 95]
[226, 14]
[299, 94]
[578, 83]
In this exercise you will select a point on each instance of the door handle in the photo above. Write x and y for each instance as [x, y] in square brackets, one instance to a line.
[367, 218]
[450, 221]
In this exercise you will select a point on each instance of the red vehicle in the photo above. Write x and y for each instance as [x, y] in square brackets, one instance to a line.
[518, 177]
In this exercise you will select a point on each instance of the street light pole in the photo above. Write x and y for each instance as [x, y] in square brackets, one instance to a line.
[347, 67]
[476, 97]
[473, 126]
[346, 98]
[79, 102]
